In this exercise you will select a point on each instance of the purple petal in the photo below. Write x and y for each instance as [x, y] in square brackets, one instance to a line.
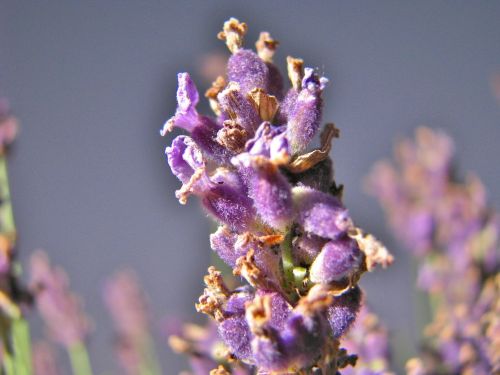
[186, 116]
[184, 158]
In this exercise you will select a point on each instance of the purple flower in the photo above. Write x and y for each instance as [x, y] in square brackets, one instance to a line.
[447, 224]
[201, 128]
[282, 226]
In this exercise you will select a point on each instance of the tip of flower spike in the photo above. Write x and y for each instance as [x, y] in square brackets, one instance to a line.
[266, 46]
[233, 33]
[295, 69]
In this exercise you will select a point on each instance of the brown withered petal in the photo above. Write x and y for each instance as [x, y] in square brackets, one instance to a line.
[304, 162]
[295, 69]
[265, 105]
[266, 46]
[220, 371]
[232, 136]
[214, 90]
[233, 33]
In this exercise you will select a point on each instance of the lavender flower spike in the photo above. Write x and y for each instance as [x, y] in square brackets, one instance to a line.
[449, 227]
[282, 226]
[60, 309]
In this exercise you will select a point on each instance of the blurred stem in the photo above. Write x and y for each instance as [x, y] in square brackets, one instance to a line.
[6, 213]
[8, 363]
[21, 342]
[149, 360]
[286, 256]
[80, 363]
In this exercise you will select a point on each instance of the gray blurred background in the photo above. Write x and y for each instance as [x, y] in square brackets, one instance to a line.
[92, 82]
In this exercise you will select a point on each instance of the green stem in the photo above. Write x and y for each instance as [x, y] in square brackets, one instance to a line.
[286, 256]
[80, 363]
[149, 361]
[21, 342]
[6, 212]
[8, 364]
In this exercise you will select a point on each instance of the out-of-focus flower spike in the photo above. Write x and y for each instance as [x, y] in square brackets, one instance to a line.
[44, 359]
[9, 126]
[127, 304]
[319, 213]
[60, 309]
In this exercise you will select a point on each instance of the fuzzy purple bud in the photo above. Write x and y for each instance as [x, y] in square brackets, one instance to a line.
[342, 313]
[127, 305]
[337, 260]
[246, 68]
[305, 113]
[320, 213]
